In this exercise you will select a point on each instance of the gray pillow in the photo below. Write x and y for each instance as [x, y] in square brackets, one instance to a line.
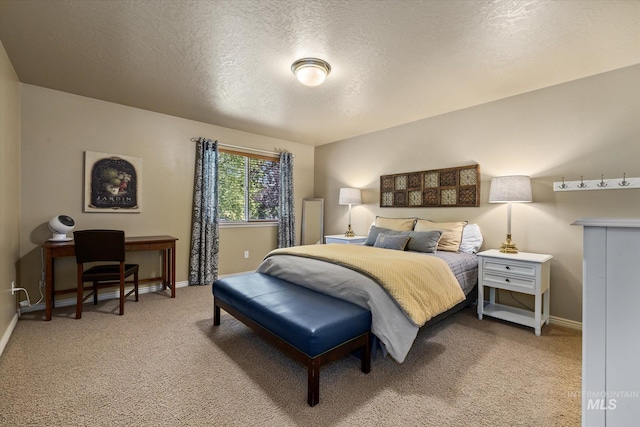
[423, 241]
[373, 234]
[391, 241]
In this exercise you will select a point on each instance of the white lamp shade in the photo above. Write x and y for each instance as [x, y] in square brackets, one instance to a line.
[350, 196]
[512, 188]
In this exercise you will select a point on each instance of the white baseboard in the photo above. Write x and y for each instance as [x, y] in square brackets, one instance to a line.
[101, 296]
[565, 322]
[7, 334]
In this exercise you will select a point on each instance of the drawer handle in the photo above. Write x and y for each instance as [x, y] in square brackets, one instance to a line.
[507, 280]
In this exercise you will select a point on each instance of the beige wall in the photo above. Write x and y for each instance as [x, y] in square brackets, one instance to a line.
[9, 192]
[58, 127]
[584, 128]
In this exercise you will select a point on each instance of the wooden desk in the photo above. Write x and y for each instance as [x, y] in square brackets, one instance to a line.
[166, 244]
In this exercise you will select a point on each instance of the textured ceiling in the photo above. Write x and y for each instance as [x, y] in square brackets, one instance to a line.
[228, 62]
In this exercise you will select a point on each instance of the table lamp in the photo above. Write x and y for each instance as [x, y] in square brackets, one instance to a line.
[509, 189]
[350, 196]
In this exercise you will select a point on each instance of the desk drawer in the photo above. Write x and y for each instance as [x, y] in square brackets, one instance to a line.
[132, 247]
[513, 283]
[511, 267]
[160, 246]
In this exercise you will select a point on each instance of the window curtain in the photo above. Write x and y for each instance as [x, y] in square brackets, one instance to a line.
[203, 261]
[286, 217]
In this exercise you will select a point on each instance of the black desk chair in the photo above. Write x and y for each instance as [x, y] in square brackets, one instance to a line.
[101, 246]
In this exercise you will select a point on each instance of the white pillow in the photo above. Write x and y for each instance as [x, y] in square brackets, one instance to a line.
[471, 239]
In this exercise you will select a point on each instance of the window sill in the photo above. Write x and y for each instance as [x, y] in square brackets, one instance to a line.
[246, 224]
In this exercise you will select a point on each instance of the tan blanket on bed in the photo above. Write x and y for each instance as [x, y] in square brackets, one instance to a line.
[422, 285]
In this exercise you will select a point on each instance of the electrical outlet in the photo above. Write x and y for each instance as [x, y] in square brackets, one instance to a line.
[246, 254]
[13, 287]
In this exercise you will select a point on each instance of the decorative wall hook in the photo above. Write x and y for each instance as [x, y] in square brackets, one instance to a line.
[624, 182]
[602, 183]
[563, 185]
[582, 184]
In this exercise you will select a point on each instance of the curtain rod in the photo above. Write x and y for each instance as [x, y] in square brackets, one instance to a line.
[273, 153]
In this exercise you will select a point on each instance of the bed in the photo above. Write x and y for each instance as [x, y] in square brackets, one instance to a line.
[394, 327]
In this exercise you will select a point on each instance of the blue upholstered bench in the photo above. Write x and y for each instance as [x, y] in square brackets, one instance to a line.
[311, 327]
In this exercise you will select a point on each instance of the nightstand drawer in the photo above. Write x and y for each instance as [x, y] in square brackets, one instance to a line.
[512, 283]
[523, 269]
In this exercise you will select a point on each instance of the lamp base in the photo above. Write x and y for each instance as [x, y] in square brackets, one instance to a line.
[508, 247]
[349, 232]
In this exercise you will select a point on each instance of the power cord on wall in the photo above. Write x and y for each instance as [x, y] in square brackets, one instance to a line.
[41, 283]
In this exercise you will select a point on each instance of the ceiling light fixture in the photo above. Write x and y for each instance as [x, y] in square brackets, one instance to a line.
[311, 71]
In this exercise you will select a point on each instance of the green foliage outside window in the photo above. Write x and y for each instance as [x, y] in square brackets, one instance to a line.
[248, 189]
[231, 177]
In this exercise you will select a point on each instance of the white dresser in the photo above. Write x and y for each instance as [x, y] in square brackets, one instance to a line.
[611, 322]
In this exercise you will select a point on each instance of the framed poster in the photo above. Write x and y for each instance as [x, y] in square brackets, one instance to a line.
[112, 183]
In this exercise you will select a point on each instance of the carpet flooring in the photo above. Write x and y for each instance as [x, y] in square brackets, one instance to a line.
[164, 364]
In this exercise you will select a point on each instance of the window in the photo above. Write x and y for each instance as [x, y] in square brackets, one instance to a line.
[248, 188]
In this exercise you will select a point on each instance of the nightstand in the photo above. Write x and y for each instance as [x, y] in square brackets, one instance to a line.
[341, 238]
[526, 273]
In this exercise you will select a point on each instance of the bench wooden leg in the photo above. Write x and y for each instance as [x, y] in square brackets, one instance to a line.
[216, 314]
[313, 383]
[313, 370]
[366, 355]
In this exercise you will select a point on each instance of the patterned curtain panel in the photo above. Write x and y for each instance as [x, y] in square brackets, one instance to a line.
[286, 217]
[203, 262]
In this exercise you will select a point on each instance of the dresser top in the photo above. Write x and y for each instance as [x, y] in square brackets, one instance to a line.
[608, 222]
